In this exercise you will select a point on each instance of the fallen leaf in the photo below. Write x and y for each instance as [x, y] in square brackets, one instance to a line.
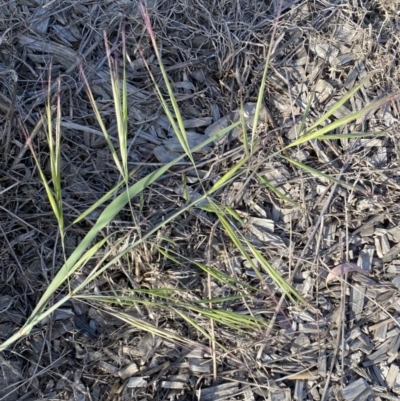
[344, 268]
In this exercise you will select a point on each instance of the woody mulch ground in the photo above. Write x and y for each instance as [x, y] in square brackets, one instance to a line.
[346, 344]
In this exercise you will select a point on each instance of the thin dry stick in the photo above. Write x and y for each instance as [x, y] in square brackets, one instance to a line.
[340, 335]
[209, 256]
[30, 139]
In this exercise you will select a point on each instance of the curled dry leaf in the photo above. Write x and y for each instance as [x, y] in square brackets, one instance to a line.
[344, 268]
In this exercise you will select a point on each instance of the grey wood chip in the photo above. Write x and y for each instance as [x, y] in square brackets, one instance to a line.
[198, 352]
[323, 90]
[221, 392]
[263, 231]
[281, 104]
[198, 74]
[394, 234]
[394, 346]
[39, 21]
[62, 54]
[148, 345]
[322, 370]
[107, 367]
[329, 232]
[299, 390]
[258, 209]
[358, 71]
[149, 138]
[342, 111]
[392, 375]
[381, 350]
[136, 382]
[248, 114]
[359, 390]
[379, 158]
[58, 314]
[278, 177]
[197, 122]
[282, 394]
[381, 243]
[61, 327]
[264, 224]
[164, 155]
[396, 387]
[377, 376]
[357, 296]
[248, 394]
[392, 254]
[326, 51]
[381, 332]
[128, 371]
[346, 32]
[386, 113]
[185, 85]
[193, 139]
[176, 382]
[311, 328]
[200, 365]
[260, 238]
[64, 34]
[343, 59]
[156, 369]
[365, 257]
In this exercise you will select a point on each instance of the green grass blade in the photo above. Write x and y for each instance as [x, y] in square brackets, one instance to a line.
[121, 107]
[111, 193]
[326, 176]
[284, 286]
[340, 102]
[104, 198]
[261, 91]
[306, 113]
[355, 135]
[244, 129]
[319, 134]
[197, 327]
[228, 176]
[145, 326]
[276, 191]
[179, 128]
[65, 272]
[234, 284]
[101, 124]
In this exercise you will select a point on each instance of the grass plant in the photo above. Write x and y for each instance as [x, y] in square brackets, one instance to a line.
[171, 299]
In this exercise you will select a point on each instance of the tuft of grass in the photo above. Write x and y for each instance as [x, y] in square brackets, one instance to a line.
[53, 136]
[90, 245]
[175, 119]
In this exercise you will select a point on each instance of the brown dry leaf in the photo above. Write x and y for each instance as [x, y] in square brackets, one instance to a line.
[344, 268]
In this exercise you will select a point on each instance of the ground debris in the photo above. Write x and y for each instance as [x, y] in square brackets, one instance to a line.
[358, 390]
[341, 340]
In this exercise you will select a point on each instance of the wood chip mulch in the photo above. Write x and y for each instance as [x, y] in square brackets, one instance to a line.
[345, 343]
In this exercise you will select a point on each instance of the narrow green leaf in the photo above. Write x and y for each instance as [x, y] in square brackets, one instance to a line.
[326, 176]
[227, 176]
[276, 191]
[340, 102]
[319, 134]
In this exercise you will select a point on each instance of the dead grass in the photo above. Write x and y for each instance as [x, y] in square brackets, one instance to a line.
[346, 342]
